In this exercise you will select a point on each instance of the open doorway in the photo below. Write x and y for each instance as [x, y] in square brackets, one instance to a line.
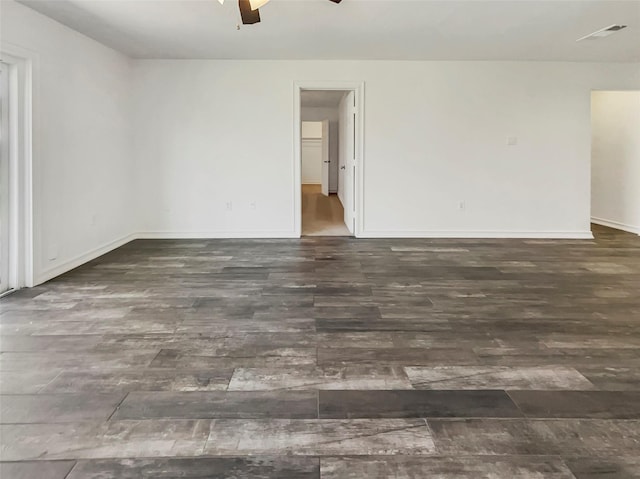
[328, 159]
[16, 240]
[615, 160]
[323, 211]
[6, 250]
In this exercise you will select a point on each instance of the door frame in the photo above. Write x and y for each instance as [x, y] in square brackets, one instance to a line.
[326, 160]
[5, 183]
[21, 64]
[358, 89]
[593, 219]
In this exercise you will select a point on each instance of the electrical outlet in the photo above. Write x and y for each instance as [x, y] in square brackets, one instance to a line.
[252, 205]
[512, 141]
[52, 252]
[462, 205]
[229, 205]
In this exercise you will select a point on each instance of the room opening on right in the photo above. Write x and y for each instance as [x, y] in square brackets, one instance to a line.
[615, 161]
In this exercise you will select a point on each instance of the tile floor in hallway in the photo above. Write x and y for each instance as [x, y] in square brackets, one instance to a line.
[329, 358]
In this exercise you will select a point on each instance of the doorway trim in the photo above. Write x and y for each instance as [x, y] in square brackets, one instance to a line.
[629, 228]
[358, 89]
[21, 64]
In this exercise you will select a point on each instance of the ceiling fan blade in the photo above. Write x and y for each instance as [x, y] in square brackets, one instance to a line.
[335, 1]
[249, 16]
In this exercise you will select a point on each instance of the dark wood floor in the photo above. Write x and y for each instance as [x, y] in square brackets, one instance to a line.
[332, 358]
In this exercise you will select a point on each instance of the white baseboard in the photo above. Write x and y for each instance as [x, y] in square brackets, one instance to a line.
[216, 235]
[91, 255]
[97, 252]
[616, 225]
[478, 234]
[82, 259]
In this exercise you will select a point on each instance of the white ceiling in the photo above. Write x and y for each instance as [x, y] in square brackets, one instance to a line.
[358, 29]
[321, 98]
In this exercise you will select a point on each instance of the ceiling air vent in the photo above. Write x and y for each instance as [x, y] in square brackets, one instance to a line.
[604, 32]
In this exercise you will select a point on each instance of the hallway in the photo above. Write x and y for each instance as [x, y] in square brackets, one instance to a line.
[321, 215]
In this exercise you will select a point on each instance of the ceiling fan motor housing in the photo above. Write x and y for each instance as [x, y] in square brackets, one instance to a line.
[250, 13]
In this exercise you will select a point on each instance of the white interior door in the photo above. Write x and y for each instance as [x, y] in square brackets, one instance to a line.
[326, 162]
[350, 161]
[4, 178]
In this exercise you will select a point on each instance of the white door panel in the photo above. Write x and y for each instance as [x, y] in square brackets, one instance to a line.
[4, 178]
[350, 163]
[325, 158]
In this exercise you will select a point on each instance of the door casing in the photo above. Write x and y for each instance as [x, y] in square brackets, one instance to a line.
[358, 88]
[5, 183]
[326, 159]
[21, 66]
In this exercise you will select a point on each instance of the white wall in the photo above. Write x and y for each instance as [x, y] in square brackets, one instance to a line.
[182, 139]
[308, 113]
[311, 153]
[311, 158]
[435, 135]
[311, 130]
[615, 161]
[84, 185]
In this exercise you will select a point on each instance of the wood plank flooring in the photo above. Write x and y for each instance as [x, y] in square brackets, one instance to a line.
[328, 358]
[322, 215]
